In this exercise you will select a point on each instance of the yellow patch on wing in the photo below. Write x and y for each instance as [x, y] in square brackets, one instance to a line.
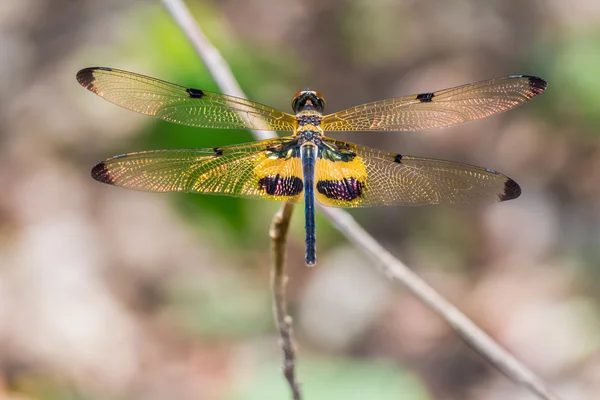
[279, 178]
[273, 166]
[340, 183]
[248, 170]
[394, 179]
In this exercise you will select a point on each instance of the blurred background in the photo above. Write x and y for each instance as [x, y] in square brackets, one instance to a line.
[107, 293]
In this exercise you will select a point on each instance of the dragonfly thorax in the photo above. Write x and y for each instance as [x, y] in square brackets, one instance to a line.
[309, 135]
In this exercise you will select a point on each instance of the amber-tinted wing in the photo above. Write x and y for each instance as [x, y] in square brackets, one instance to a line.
[181, 105]
[256, 170]
[369, 177]
[438, 109]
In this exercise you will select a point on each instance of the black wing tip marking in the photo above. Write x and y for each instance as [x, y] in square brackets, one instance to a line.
[512, 190]
[195, 93]
[101, 173]
[398, 158]
[86, 77]
[536, 84]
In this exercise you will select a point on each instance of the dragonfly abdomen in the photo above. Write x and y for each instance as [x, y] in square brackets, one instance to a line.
[309, 155]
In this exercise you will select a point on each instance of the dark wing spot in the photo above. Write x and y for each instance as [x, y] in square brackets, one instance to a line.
[425, 97]
[512, 190]
[346, 189]
[218, 151]
[85, 77]
[537, 85]
[195, 93]
[280, 186]
[101, 173]
[398, 158]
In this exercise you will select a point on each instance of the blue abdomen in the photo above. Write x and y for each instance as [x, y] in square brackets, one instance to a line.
[309, 155]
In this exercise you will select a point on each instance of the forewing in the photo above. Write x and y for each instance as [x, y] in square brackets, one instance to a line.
[181, 105]
[438, 109]
[373, 177]
[256, 170]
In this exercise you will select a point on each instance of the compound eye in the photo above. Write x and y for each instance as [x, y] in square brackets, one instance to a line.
[308, 97]
[295, 105]
[298, 94]
[321, 100]
[319, 95]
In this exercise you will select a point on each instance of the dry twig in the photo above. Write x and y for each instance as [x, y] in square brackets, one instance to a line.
[278, 234]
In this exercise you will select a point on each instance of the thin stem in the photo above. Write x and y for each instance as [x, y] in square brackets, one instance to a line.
[278, 234]
[385, 263]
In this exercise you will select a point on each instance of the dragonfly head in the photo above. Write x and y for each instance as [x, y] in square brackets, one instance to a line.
[308, 100]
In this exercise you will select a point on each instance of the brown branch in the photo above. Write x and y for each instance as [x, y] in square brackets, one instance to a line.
[385, 263]
[397, 271]
[278, 234]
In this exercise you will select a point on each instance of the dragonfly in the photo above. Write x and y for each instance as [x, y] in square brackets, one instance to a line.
[308, 165]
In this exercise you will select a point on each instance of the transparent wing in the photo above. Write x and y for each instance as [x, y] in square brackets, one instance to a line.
[365, 177]
[269, 169]
[181, 105]
[438, 109]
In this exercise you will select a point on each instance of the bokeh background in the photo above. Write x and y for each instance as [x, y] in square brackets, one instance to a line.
[107, 293]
